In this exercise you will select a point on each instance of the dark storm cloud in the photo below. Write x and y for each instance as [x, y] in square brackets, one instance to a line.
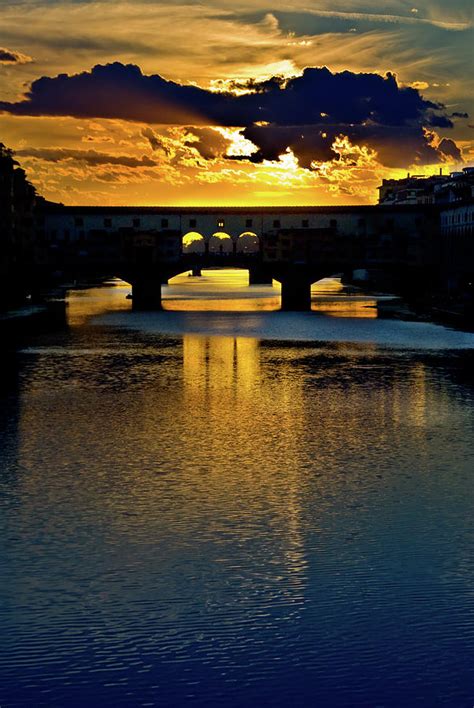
[305, 113]
[210, 143]
[9, 56]
[91, 157]
[309, 143]
[449, 148]
[122, 91]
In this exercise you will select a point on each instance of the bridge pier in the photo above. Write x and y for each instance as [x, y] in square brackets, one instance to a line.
[295, 294]
[146, 294]
[259, 276]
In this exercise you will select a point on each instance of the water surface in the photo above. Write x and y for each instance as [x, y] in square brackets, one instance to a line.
[237, 509]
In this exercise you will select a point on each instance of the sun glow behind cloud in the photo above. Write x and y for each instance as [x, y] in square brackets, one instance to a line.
[181, 175]
[238, 146]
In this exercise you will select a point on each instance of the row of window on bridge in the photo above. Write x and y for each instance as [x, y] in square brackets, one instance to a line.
[136, 223]
[220, 224]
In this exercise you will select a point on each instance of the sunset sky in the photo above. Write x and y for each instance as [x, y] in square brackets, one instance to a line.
[243, 102]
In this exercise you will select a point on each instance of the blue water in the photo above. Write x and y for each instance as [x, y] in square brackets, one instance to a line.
[236, 509]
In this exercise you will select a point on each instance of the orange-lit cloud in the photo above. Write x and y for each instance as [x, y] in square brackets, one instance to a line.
[10, 56]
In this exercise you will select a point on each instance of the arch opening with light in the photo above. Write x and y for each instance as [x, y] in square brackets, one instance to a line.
[248, 242]
[220, 242]
[193, 242]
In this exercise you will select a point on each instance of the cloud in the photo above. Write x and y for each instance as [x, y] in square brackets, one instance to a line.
[10, 56]
[153, 139]
[236, 41]
[97, 138]
[449, 150]
[388, 18]
[123, 91]
[208, 142]
[395, 146]
[90, 157]
[116, 91]
[305, 113]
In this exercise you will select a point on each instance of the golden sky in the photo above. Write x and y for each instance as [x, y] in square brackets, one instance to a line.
[229, 103]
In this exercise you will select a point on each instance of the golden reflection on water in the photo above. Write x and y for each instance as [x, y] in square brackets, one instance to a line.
[346, 307]
[222, 290]
[91, 302]
[220, 362]
[228, 290]
[222, 305]
[217, 277]
[223, 376]
[250, 424]
[219, 289]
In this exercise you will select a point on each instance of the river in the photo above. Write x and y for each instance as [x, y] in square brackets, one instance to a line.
[225, 505]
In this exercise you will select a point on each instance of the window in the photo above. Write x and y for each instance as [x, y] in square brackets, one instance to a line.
[136, 222]
[78, 221]
[248, 223]
[107, 223]
[164, 223]
[276, 223]
[220, 224]
[305, 223]
[193, 223]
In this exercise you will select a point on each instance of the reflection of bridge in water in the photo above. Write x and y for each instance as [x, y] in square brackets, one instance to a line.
[146, 246]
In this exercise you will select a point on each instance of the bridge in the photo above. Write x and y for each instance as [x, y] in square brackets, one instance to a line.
[146, 246]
